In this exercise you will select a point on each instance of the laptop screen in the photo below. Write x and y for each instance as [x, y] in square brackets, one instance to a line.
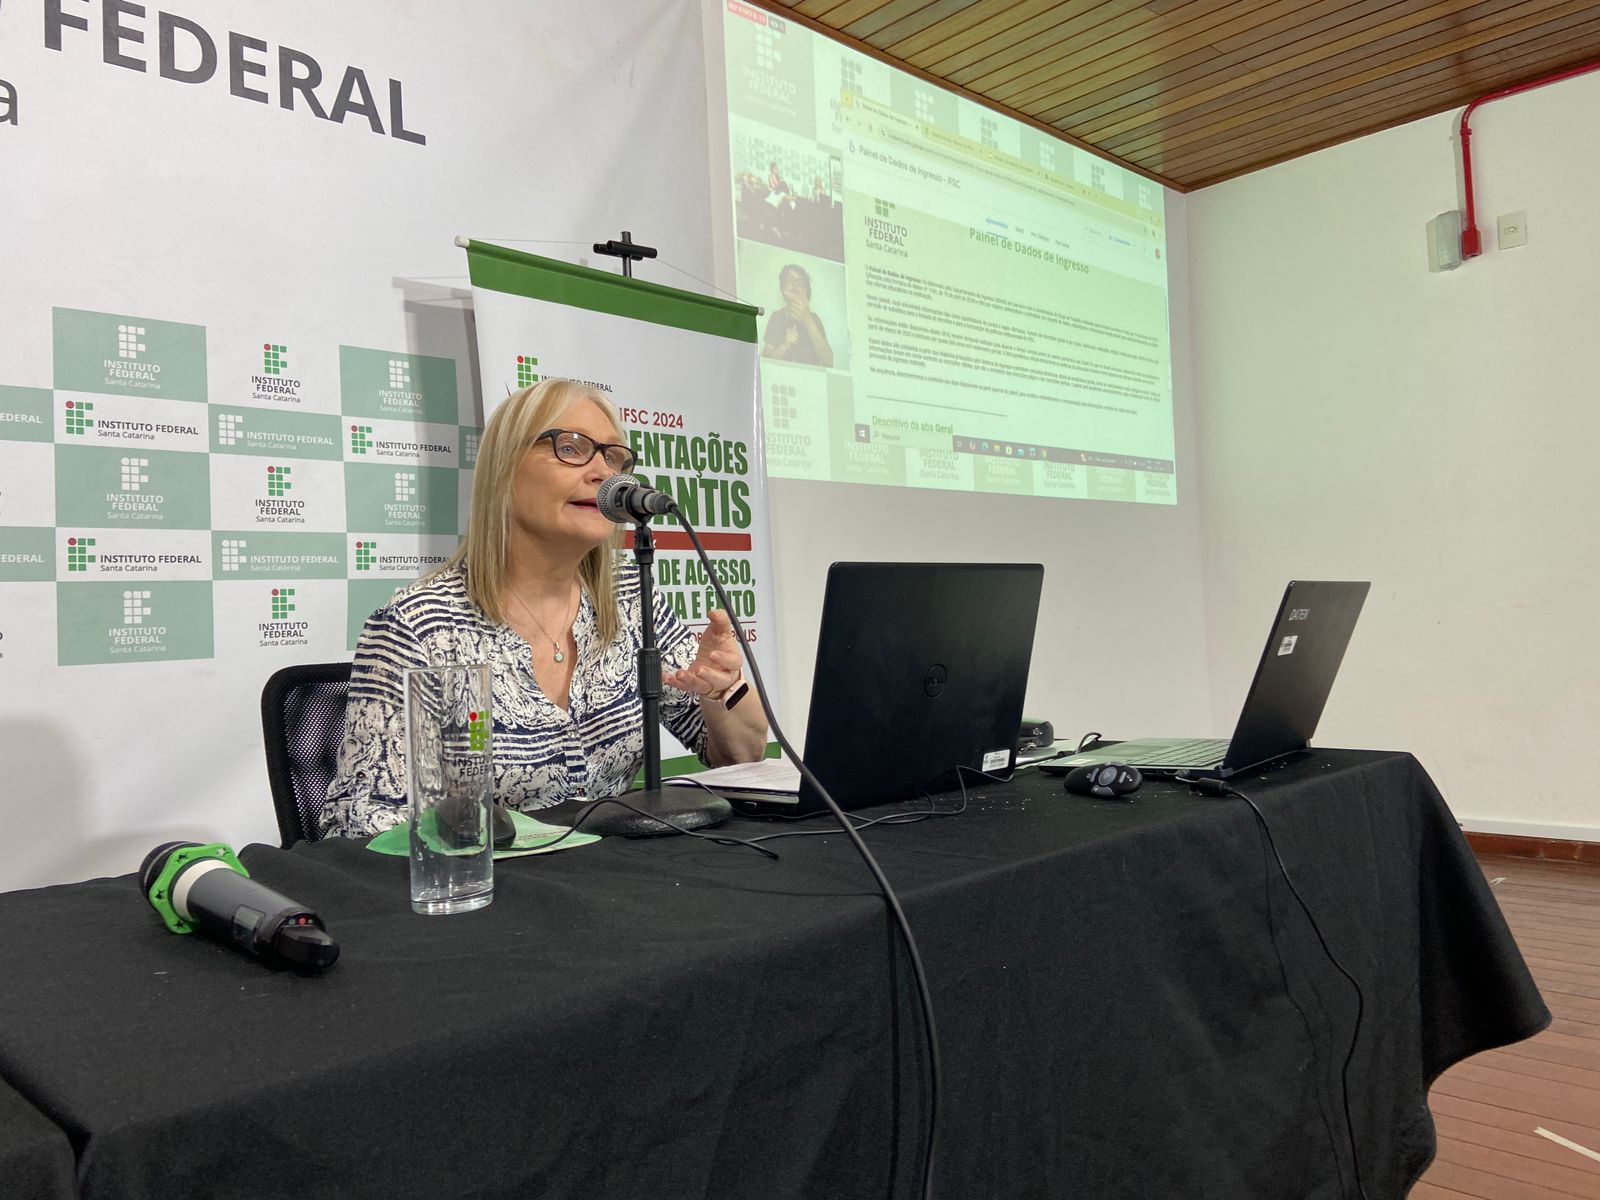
[921, 668]
[1297, 669]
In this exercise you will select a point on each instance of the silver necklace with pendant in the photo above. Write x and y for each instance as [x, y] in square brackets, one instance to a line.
[556, 649]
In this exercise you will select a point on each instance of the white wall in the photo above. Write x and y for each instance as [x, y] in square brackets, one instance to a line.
[1434, 433]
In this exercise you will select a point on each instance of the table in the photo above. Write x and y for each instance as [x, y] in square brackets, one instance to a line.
[1129, 1002]
[35, 1156]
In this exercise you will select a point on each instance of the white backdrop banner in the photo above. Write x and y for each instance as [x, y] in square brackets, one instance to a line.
[681, 370]
[239, 403]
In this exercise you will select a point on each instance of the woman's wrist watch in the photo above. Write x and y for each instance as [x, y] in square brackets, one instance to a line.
[730, 695]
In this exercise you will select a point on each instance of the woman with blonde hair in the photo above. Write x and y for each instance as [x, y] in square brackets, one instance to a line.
[538, 591]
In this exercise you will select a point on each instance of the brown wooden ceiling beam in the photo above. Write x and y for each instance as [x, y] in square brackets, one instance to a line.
[1457, 50]
[1191, 27]
[1179, 114]
[1133, 42]
[1003, 65]
[1427, 96]
[1431, 94]
[925, 15]
[961, 31]
[1556, 38]
[1080, 107]
[1280, 84]
[1485, 28]
[1086, 100]
[818, 10]
[1136, 92]
[1313, 122]
[1557, 41]
[853, 12]
[1051, 25]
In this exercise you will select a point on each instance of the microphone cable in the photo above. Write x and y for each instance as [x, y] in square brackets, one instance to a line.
[594, 806]
[906, 817]
[727, 839]
[1222, 788]
[924, 993]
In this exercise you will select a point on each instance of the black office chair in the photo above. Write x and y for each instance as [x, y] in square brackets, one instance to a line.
[302, 724]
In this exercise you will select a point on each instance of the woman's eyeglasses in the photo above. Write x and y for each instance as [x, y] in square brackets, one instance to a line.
[576, 449]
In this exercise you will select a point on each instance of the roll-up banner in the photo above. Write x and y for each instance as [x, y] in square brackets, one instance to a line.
[681, 370]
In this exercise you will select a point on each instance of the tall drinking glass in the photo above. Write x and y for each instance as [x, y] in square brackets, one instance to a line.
[450, 777]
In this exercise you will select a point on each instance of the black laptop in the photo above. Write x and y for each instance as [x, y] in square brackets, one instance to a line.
[1285, 700]
[921, 668]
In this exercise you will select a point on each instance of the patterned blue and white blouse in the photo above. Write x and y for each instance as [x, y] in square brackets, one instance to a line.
[542, 754]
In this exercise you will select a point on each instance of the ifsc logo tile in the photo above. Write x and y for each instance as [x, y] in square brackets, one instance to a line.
[25, 415]
[286, 494]
[371, 440]
[99, 623]
[399, 557]
[395, 385]
[100, 487]
[257, 615]
[133, 555]
[265, 433]
[262, 554]
[122, 354]
[130, 422]
[276, 382]
[409, 499]
[283, 627]
[27, 555]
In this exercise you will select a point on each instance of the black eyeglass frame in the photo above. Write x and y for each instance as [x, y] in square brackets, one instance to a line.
[598, 448]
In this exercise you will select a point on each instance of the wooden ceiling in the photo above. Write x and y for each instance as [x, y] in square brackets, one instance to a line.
[1192, 92]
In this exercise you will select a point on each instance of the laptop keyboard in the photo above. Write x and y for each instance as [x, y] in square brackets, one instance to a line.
[1197, 752]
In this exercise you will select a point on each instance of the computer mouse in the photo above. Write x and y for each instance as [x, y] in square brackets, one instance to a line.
[1108, 781]
[461, 822]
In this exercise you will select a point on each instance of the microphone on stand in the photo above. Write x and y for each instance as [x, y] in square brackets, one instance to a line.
[206, 887]
[624, 500]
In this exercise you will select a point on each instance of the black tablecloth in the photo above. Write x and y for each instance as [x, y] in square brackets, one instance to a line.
[1130, 1004]
[35, 1156]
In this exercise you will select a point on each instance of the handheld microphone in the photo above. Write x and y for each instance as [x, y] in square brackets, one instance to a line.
[206, 887]
[624, 499]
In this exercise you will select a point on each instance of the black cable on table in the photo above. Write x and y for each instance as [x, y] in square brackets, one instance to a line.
[1221, 788]
[919, 974]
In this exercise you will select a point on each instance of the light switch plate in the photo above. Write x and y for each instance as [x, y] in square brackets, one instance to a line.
[1513, 230]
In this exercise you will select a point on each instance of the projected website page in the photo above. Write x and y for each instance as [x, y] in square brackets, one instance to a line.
[953, 299]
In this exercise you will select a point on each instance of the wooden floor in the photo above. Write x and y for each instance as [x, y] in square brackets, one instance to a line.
[1488, 1108]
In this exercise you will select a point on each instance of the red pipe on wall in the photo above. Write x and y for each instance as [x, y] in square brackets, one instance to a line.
[1471, 241]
